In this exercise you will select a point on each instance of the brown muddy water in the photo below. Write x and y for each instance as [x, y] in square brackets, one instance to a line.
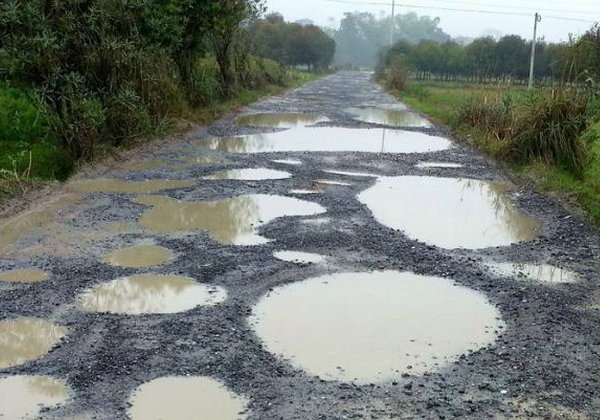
[374, 327]
[23, 275]
[141, 256]
[233, 221]
[26, 339]
[126, 187]
[330, 139]
[279, 120]
[299, 257]
[543, 273]
[23, 397]
[250, 174]
[182, 398]
[392, 117]
[150, 294]
[450, 212]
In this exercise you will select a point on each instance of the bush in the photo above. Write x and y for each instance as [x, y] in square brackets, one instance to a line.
[493, 114]
[397, 74]
[23, 118]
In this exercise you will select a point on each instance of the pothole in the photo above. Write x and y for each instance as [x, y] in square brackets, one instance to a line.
[336, 183]
[331, 139]
[392, 117]
[292, 120]
[288, 161]
[352, 174]
[23, 275]
[142, 256]
[450, 212]
[299, 257]
[543, 273]
[26, 339]
[233, 221]
[127, 187]
[374, 327]
[186, 398]
[305, 192]
[24, 397]
[250, 174]
[441, 165]
[150, 294]
[202, 160]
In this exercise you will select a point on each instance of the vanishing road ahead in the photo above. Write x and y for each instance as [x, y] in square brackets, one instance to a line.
[327, 254]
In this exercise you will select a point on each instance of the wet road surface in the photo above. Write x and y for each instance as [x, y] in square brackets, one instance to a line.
[329, 255]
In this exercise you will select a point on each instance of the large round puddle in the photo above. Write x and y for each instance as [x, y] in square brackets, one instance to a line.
[23, 275]
[450, 212]
[331, 139]
[186, 398]
[23, 397]
[150, 294]
[127, 187]
[250, 174]
[142, 256]
[233, 221]
[543, 273]
[373, 327]
[26, 339]
[279, 120]
[393, 117]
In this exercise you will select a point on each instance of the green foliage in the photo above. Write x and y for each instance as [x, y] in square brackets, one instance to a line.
[22, 117]
[396, 74]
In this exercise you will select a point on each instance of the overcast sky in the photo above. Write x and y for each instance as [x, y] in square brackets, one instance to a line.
[329, 13]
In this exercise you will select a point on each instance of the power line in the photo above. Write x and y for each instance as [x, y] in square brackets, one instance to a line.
[456, 9]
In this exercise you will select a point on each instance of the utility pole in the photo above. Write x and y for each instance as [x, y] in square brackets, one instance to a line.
[392, 24]
[538, 19]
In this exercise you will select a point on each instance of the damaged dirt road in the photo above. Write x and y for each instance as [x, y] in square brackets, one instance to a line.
[328, 255]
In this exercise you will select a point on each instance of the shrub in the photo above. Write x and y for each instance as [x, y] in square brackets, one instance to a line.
[491, 113]
[397, 74]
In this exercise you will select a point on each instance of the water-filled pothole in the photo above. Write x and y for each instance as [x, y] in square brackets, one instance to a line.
[392, 117]
[351, 174]
[26, 339]
[441, 165]
[450, 212]
[305, 191]
[23, 275]
[250, 174]
[150, 294]
[142, 256]
[543, 273]
[288, 161]
[279, 120]
[331, 139]
[332, 182]
[127, 187]
[186, 398]
[202, 160]
[372, 327]
[299, 257]
[24, 397]
[233, 221]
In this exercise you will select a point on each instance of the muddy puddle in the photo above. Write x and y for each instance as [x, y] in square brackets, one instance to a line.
[450, 212]
[334, 183]
[26, 339]
[233, 221]
[141, 256]
[543, 273]
[279, 120]
[331, 139]
[150, 294]
[392, 117]
[186, 398]
[299, 257]
[202, 160]
[104, 185]
[306, 191]
[250, 174]
[23, 275]
[24, 397]
[441, 165]
[373, 327]
[288, 161]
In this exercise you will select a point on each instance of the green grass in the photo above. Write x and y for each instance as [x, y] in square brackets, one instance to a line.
[441, 102]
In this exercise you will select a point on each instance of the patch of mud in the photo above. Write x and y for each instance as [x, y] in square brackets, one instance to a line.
[24, 397]
[26, 339]
[233, 221]
[450, 212]
[186, 398]
[374, 327]
[150, 294]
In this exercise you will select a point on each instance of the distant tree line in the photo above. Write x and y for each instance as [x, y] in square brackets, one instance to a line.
[292, 43]
[505, 60]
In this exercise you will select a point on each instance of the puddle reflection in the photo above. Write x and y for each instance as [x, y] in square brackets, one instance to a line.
[397, 118]
[279, 120]
[23, 397]
[543, 273]
[251, 174]
[450, 212]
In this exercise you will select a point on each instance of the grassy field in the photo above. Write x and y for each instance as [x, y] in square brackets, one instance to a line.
[444, 102]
